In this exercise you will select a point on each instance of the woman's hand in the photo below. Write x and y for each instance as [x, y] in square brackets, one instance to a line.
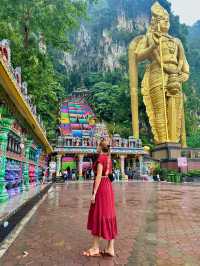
[93, 199]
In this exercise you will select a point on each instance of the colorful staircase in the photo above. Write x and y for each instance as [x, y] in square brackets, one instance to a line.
[77, 118]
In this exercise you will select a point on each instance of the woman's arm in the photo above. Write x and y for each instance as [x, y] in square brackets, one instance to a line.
[97, 181]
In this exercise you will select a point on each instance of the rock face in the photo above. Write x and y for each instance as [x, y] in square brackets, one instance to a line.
[102, 41]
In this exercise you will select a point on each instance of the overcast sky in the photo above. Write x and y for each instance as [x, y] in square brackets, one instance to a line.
[188, 10]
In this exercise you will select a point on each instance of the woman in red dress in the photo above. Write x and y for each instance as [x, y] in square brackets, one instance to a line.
[102, 218]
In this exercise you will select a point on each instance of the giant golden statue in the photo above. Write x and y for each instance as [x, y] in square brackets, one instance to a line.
[162, 82]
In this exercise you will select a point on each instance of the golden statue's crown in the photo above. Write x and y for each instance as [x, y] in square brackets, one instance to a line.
[158, 11]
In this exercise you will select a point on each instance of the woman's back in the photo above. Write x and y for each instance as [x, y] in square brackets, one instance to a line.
[106, 162]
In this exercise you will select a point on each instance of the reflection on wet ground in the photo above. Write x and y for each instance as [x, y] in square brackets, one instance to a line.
[158, 225]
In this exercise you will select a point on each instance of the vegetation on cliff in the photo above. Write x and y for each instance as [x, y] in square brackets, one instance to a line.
[100, 58]
[58, 50]
[35, 29]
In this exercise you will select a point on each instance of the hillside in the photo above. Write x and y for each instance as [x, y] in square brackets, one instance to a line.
[99, 58]
[89, 46]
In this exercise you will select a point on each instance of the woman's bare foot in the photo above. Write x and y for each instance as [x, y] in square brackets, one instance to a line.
[108, 252]
[92, 252]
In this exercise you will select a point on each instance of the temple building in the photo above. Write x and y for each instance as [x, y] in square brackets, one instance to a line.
[23, 141]
[80, 134]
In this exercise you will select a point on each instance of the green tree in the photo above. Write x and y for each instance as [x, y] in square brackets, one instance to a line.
[54, 19]
[28, 24]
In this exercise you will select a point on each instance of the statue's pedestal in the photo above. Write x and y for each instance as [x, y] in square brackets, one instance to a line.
[167, 153]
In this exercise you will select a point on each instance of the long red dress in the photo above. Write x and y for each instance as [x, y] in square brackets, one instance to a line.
[102, 218]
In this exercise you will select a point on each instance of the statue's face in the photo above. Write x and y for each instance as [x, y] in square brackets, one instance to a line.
[164, 24]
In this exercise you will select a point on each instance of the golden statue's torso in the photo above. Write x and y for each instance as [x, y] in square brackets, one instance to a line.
[169, 50]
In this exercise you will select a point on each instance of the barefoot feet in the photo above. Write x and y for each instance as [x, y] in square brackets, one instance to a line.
[108, 252]
[92, 252]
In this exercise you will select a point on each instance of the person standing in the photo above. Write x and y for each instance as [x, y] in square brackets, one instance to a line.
[65, 175]
[68, 173]
[102, 218]
[92, 174]
[43, 176]
[73, 175]
[117, 174]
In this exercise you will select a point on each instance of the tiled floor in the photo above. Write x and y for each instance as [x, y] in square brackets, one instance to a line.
[159, 224]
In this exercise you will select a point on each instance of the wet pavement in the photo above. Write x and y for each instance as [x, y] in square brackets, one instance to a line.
[14, 203]
[159, 224]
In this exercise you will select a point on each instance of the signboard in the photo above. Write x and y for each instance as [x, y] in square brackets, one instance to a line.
[182, 162]
[52, 166]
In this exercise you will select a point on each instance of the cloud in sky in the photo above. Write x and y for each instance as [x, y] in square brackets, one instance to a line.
[188, 10]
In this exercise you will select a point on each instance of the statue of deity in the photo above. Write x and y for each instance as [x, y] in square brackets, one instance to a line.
[162, 83]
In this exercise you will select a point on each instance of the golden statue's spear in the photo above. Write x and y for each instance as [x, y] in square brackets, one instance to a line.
[163, 80]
